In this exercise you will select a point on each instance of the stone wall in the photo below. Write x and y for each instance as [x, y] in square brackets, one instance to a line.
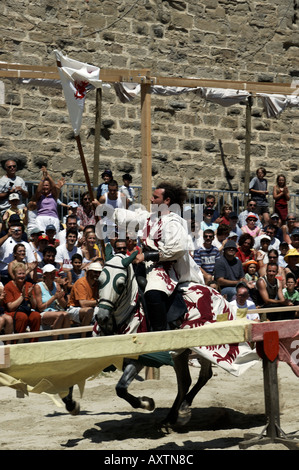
[197, 143]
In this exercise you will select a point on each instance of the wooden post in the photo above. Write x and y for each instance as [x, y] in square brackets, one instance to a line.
[247, 149]
[146, 153]
[97, 137]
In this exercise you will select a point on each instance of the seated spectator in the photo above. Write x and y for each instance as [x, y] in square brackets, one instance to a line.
[274, 222]
[19, 253]
[221, 237]
[251, 226]
[7, 243]
[14, 221]
[21, 302]
[132, 244]
[274, 242]
[270, 293]
[251, 207]
[283, 249]
[14, 208]
[289, 227]
[226, 209]
[245, 250]
[262, 253]
[292, 260]
[233, 224]
[207, 220]
[33, 240]
[72, 210]
[66, 251]
[90, 251]
[51, 234]
[6, 321]
[291, 293]
[76, 272]
[273, 258]
[84, 296]
[71, 222]
[242, 303]
[251, 274]
[50, 301]
[49, 255]
[206, 256]
[42, 243]
[228, 270]
[295, 239]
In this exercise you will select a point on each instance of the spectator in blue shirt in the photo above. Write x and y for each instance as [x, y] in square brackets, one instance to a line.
[205, 257]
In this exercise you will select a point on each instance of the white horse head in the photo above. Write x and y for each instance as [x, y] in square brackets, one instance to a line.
[118, 293]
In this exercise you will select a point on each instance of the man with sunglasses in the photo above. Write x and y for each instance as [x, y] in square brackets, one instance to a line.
[206, 256]
[11, 183]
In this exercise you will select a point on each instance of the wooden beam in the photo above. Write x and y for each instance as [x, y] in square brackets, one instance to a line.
[142, 76]
[97, 138]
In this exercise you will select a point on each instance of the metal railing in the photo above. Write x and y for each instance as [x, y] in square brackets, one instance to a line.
[237, 199]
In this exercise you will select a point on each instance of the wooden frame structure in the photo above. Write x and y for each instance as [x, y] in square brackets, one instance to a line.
[145, 78]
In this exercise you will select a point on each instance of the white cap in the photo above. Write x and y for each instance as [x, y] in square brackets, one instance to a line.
[13, 196]
[95, 266]
[49, 268]
[73, 204]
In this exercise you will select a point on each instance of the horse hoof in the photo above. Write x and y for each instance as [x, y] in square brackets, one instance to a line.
[147, 403]
[73, 408]
[184, 414]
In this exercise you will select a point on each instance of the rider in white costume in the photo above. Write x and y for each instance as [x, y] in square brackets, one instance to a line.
[165, 250]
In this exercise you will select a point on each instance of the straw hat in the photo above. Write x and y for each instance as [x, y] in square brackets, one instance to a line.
[292, 252]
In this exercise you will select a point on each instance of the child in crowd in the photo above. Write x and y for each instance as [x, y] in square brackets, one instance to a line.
[76, 272]
[14, 200]
[251, 274]
[290, 293]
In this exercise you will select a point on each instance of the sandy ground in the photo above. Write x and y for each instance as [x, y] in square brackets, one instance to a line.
[226, 409]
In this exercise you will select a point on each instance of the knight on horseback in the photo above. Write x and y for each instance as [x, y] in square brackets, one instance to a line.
[165, 253]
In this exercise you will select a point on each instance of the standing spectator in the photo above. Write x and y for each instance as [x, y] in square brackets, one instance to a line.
[281, 197]
[103, 187]
[206, 256]
[126, 188]
[228, 270]
[114, 197]
[46, 197]
[21, 302]
[258, 188]
[251, 207]
[11, 183]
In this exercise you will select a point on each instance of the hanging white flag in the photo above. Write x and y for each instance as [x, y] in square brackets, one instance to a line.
[77, 79]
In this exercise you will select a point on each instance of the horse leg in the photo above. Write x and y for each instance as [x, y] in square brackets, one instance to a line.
[131, 370]
[205, 374]
[183, 381]
[71, 405]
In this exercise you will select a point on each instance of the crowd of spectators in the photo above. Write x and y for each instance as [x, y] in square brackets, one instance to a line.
[259, 253]
[49, 267]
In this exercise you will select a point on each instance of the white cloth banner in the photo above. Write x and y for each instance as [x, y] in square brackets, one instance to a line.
[77, 78]
[276, 104]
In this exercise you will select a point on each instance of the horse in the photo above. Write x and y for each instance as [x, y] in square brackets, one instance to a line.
[121, 310]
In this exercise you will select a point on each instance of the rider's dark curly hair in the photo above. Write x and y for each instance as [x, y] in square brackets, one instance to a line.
[176, 194]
